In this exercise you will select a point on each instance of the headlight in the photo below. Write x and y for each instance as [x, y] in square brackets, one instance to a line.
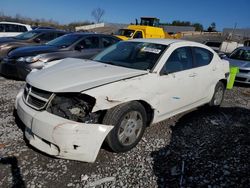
[75, 107]
[4, 46]
[21, 59]
[29, 59]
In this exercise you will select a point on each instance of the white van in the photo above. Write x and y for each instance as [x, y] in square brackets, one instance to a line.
[11, 29]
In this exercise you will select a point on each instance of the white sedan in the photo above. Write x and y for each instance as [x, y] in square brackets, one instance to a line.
[71, 108]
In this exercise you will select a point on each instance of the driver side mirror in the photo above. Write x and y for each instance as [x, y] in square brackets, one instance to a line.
[222, 55]
[79, 47]
[37, 40]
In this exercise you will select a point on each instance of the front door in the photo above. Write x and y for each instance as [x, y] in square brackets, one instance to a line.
[177, 83]
[90, 47]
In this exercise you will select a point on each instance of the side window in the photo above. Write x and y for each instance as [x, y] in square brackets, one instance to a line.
[11, 28]
[2, 28]
[90, 43]
[180, 59]
[21, 28]
[107, 41]
[202, 56]
[59, 34]
[47, 37]
[138, 34]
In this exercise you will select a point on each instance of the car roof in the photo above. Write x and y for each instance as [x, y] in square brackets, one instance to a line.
[217, 41]
[166, 41]
[47, 30]
[14, 23]
[88, 34]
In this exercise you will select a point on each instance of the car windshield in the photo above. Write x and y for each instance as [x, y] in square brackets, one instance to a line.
[125, 32]
[241, 54]
[135, 55]
[27, 35]
[64, 41]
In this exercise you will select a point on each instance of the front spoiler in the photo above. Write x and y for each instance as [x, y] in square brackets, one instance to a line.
[60, 137]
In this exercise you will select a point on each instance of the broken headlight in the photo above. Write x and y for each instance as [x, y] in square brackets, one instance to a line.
[75, 107]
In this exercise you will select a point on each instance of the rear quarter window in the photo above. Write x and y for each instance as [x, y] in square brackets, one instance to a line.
[22, 28]
[202, 56]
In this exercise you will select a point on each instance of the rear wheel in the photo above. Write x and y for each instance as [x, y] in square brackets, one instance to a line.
[129, 122]
[218, 94]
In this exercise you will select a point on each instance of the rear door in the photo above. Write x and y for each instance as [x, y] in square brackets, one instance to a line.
[204, 71]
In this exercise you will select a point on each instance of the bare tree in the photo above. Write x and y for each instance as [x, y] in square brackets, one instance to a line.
[98, 14]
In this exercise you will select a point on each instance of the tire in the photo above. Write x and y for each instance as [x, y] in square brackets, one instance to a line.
[218, 95]
[129, 122]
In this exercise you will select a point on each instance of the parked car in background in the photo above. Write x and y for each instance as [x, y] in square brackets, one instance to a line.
[215, 45]
[10, 29]
[38, 36]
[70, 108]
[42, 27]
[240, 57]
[21, 61]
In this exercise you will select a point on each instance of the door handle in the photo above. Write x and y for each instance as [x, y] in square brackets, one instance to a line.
[193, 75]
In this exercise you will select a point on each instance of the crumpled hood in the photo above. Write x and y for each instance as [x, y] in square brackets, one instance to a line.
[76, 75]
[239, 63]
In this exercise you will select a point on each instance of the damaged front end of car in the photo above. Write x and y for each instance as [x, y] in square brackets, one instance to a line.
[75, 107]
[62, 124]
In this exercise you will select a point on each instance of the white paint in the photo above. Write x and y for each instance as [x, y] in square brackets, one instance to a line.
[68, 139]
[87, 27]
[229, 46]
[110, 85]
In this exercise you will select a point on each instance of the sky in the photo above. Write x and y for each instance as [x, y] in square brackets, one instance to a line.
[225, 13]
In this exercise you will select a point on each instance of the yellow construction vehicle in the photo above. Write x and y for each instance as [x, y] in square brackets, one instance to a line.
[148, 28]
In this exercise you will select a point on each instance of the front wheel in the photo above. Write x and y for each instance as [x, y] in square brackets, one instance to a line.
[129, 122]
[218, 95]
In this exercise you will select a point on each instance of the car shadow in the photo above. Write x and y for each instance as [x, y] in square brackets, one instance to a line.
[10, 77]
[203, 144]
[17, 178]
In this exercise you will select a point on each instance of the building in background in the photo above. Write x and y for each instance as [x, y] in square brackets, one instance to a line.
[237, 34]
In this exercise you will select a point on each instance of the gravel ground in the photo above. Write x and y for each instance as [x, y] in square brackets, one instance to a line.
[202, 148]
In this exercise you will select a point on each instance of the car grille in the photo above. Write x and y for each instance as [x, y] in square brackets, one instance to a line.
[244, 71]
[36, 98]
[240, 79]
[8, 60]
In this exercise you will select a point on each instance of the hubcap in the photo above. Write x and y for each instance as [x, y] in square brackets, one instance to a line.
[218, 96]
[130, 128]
